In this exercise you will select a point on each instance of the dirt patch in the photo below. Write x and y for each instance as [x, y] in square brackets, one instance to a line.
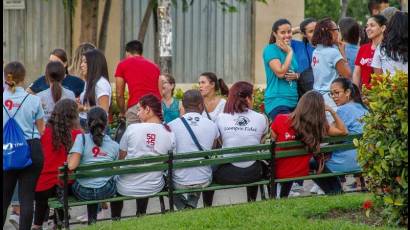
[355, 216]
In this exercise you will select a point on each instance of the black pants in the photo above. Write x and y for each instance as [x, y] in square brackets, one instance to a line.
[228, 174]
[27, 179]
[116, 208]
[329, 185]
[41, 206]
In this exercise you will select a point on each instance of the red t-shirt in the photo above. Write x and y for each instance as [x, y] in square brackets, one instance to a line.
[52, 160]
[141, 76]
[364, 60]
[288, 167]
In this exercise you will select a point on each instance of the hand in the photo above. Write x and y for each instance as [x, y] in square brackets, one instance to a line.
[291, 76]
[284, 47]
[329, 109]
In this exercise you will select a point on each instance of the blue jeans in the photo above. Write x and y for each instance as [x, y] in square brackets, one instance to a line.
[280, 110]
[83, 193]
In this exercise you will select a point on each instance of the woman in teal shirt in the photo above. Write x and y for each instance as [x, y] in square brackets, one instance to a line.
[171, 107]
[281, 95]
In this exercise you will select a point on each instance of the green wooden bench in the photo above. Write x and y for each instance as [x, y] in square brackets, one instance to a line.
[193, 159]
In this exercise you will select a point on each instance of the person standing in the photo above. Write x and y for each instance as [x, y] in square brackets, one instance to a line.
[29, 115]
[171, 106]
[281, 95]
[350, 31]
[140, 75]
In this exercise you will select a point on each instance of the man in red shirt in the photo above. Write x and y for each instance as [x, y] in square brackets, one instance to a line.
[140, 75]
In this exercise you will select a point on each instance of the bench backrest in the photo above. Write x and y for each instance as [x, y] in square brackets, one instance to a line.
[185, 160]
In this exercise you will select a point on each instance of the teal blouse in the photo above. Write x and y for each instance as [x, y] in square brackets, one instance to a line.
[172, 112]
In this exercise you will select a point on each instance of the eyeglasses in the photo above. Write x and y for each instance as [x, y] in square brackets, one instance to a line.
[334, 94]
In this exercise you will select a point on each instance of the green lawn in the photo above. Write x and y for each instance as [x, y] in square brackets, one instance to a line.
[295, 213]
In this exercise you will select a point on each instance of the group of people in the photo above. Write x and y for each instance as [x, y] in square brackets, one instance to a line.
[64, 115]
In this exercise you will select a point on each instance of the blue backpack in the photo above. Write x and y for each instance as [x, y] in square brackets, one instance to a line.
[16, 151]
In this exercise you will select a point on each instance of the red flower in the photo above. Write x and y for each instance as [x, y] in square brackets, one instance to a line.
[262, 108]
[367, 204]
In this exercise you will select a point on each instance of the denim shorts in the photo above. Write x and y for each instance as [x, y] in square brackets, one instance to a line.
[83, 193]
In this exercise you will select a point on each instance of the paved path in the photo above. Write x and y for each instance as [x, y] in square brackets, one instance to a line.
[222, 197]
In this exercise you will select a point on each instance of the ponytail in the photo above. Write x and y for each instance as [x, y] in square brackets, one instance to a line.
[15, 73]
[55, 73]
[97, 122]
[56, 91]
[223, 87]
[219, 83]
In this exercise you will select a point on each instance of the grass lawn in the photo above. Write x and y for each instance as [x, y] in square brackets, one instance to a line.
[295, 213]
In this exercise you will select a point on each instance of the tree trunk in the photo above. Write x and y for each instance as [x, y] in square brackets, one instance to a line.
[102, 38]
[165, 36]
[145, 21]
[344, 4]
[156, 36]
[89, 21]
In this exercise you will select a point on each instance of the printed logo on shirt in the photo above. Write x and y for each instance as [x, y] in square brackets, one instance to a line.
[289, 137]
[242, 121]
[97, 152]
[193, 121]
[9, 104]
[151, 138]
[366, 61]
[315, 61]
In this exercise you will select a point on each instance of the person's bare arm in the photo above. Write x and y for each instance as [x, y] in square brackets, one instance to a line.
[122, 155]
[276, 66]
[342, 67]
[120, 90]
[378, 71]
[40, 126]
[338, 128]
[73, 160]
[357, 75]
[104, 102]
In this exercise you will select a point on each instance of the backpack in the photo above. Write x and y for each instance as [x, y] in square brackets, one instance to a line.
[16, 151]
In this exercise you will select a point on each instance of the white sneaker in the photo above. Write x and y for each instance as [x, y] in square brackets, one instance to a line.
[14, 219]
[320, 192]
[297, 188]
[314, 189]
[82, 218]
[293, 194]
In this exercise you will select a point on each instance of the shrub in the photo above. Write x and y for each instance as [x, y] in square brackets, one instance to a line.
[383, 149]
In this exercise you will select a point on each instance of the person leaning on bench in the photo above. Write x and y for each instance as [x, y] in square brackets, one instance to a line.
[308, 124]
[193, 133]
[91, 148]
[149, 138]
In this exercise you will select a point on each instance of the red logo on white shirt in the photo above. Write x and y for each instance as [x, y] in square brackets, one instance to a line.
[97, 152]
[315, 61]
[151, 139]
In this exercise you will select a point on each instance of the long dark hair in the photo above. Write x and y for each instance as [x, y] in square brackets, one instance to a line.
[62, 55]
[219, 83]
[61, 121]
[302, 28]
[238, 94]
[55, 74]
[323, 34]
[154, 103]
[346, 84]
[97, 122]
[14, 73]
[395, 38]
[96, 69]
[275, 28]
[309, 120]
[350, 30]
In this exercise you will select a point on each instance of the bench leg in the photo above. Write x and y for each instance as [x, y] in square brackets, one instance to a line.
[162, 204]
[262, 188]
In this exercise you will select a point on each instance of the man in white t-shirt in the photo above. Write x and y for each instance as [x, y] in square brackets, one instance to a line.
[206, 133]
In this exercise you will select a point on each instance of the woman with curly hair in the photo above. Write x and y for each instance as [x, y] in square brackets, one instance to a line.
[61, 130]
[392, 54]
[308, 124]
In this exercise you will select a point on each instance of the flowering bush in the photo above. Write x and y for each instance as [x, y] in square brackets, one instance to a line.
[383, 149]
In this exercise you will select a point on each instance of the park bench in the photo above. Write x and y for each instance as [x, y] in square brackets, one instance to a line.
[193, 159]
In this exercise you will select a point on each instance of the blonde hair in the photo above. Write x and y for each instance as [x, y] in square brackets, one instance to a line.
[74, 68]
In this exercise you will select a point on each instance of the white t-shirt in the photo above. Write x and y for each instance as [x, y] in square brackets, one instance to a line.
[218, 109]
[206, 132]
[382, 61]
[242, 129]
[102, 88]
[143, 140]
[47, 100]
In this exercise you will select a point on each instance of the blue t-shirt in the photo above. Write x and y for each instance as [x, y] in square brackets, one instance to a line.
[171, 112]
[303, 52]
[345, 161]
[30, 111]
[351, 53]
[324, 67]
[91, 153]
[72, 83]
[279, 92]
